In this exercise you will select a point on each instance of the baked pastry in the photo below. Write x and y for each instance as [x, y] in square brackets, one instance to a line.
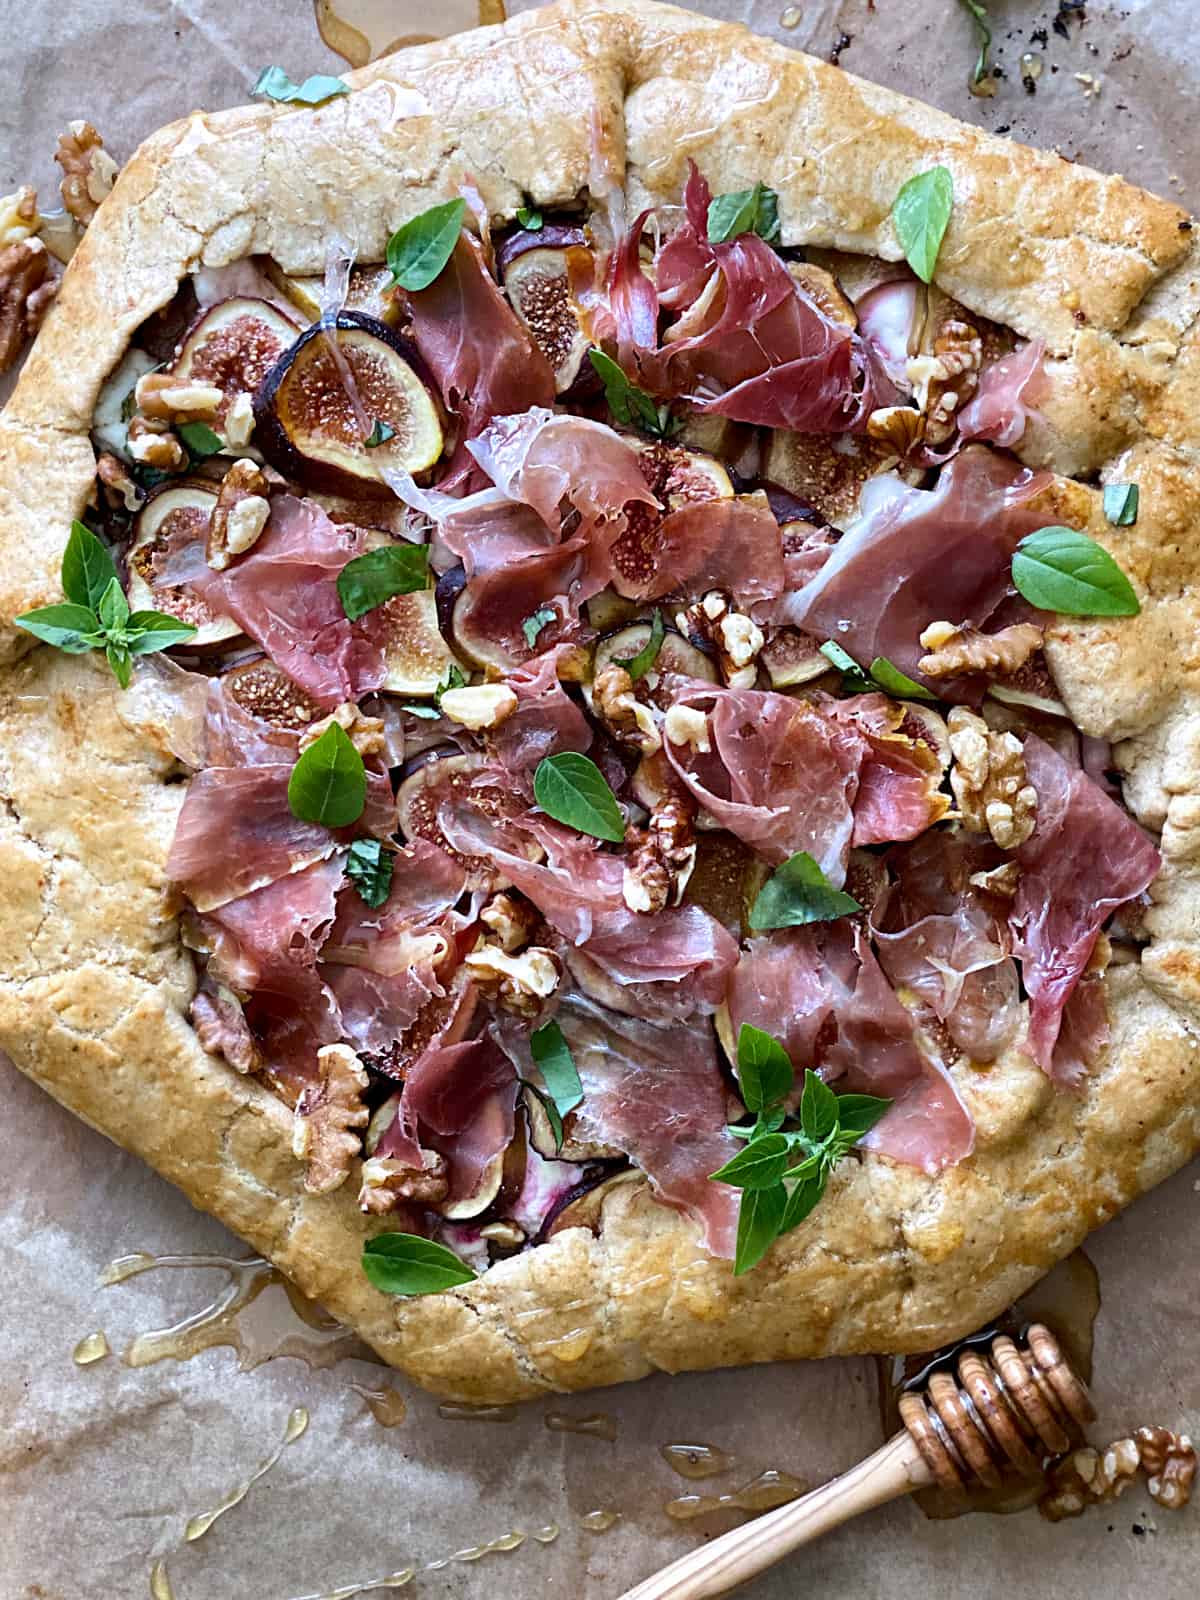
[973, 492]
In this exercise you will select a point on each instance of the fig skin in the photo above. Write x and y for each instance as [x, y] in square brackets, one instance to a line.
[550, 236]
[287, 455]
[232, 368]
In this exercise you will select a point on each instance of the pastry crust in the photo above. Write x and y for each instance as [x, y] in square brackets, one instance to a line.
[94, 982]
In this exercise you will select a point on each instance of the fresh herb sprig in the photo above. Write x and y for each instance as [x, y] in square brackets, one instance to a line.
[273, 83]
[328, 784]
[377, 576]
[560, 1090]
[1061, 569]
[798, 893]
[921, 214]
[983, 33]
[418, 250]
[407, 1264]
[880, 675]
[744, 211]
[535, 622]
[572, 789]
[369, 867]
[637, 666]
[630, 406]
[783, 1172]
[97, 615]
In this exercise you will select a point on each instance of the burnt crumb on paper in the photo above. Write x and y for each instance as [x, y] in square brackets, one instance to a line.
[844, 41]
[1069, 11]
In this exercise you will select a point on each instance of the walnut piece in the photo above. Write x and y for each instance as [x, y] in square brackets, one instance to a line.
[479, 705]
[1001, 880]
[239, 515]
[510, 920]
[1090, 1477]
[164, 398]
[628, 719]
[1169, 1462]
[386, 1182]
[944, 381]
[325, 1115]
[119, 488]
[735, 638]
[88, 170]
[221, 1027]
[900, 428]
[687, 725]
[152, 444]
[989, 780]
[239, 421]
[366, 733]
[522, 983]
[19, 217]
[25, 295]
[662, 857]
[965, 649]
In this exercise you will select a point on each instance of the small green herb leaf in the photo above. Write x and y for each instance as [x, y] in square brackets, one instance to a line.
[147, 631]
[854, 679]
[896, 683]
[1121, 504]
[560, 1075]
[379, 434]
[418, 251]
[426, 713]
[759, 1166]
[760, 1216]
[369, 867]
[369, 580]
[454, 679]
[87, 567]
[200, 439]
[329, 782]
[113, 609]
[404, 1263]
[118, 660]
[983, 34]
[1059, 569]
[631, 406]
[744, 211]
[818, 1108]
[803, 1198]
[529, 219]
[797, 893]
[921, 212]
[639, 665]
[274, 84]
[764, 1068]
[72, 628]
[858, 1113]
[533, 625]
[572, 789]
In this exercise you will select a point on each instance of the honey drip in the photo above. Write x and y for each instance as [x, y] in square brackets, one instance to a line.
[198, 1526]
[546, 1535]
[363, 30]
[387, 1405]
[451, 1411]
[600, 1520]
[94, 1348]
[347, 1591]
[160, 1582]
[321, 1341]
[770, 1489]
[1067, 1300]
[476, 1552]
[696, 1460]
[597, 1425]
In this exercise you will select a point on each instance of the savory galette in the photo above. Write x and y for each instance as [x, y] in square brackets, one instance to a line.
[611, 777]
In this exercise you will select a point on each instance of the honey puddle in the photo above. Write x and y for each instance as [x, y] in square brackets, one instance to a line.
[696, 1460]
[91, 1349]
[270, 1332]
[386, 1405]
[363, 30]
[599, 1521]
[770, 1489]
[597, 1425]
[1067, 1300]
[198, 1526]
[160, 1582]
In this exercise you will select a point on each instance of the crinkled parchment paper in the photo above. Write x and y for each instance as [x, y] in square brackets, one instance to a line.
[102, 1466]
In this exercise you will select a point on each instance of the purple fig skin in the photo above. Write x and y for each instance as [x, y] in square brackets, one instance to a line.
[550, 236]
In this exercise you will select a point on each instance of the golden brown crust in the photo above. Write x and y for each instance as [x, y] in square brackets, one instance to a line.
[94, 984]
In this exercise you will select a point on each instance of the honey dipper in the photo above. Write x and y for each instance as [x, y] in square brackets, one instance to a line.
[1005, 1413]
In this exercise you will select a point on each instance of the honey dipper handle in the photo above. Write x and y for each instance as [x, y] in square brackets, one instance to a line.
[716, 1568]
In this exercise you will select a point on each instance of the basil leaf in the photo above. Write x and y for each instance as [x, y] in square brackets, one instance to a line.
[118, 660]
[896, 683]
[858, 1113]
[147, 631]
[798, 893]
[760, 1217]
[639, 665]
[404, 1263]
[921, 212]
[1121, 504]
[273, 83]
[454, 679]
[744, 211]
[72, 628]
[759, 1166]
[548, 1106]
[529, 219]
[200, 439]
[553, 1056]
[764, 1068]
[983, 33]
[769, 1121]
[1058, 569]
[854, 679]
[429, 713]
[802, 1199]
[113, 609]
[818, 1108]
[572, 789]
[533, 625]
[87, 567]
[329, 782]
[379, 434]
[630, 406]
[369, 580]
[369, 868]
[418, 251]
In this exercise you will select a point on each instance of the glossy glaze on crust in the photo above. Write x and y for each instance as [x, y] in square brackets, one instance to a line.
[94, 983]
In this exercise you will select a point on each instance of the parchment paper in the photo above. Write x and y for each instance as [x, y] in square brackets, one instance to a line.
[101, 1467]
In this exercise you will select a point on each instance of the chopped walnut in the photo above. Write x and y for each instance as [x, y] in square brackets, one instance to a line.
[221, 1027]
[479, 705]
[522, 983]
[1089, 1477]
[119, 488]
[239, 515]
[25, 295]
[965, 649]
[736, 639]
[1169, 1462]
[386, 1182]
[19, 217]
[88, 170]
[239, 421]
[325, 1115]
[1002, 880]
[510, 920]
[627, 718]
[900, 428]
[989, 780]
[662, 857]
[164, 398]
[944, 381]
[151, 444]
[366, 733]
[687, 725]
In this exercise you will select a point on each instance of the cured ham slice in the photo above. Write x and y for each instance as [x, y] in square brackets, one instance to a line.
[1084, 859]
[545, 722]
[732, 544]
[1008, 392]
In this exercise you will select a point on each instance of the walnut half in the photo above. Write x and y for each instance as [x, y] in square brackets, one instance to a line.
[88, 170]
[662, 857]
[989, 780]
[25, 295]
[386, 1182]
[239, 515]
[325, 1115]
[965, 649]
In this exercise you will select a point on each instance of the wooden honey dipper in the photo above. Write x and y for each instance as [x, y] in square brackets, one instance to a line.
[1006, 1413]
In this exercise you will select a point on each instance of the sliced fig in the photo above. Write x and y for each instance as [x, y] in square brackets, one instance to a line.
[416, 655]
[485, 1192]
[550, 236]
[676, 656]
[791, 657]
[654, 781]
[824, 471]
[713, 436]
[465, 781]
[676, 477]
[726, 880]
[175, 516]
[825, 292]
[608, 609]
[486, 626]
[538, 282]
[265, 691]
[1031, 687]
[233, 345]
[584, 1209]
[369, 290]
[310, 427]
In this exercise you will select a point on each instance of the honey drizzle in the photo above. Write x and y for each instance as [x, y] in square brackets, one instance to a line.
[452, 1411]
[91, 1349]
[770, 1489]
[160, 1582]
[198, 1526]
[387, 1405]
[600, 1520]
[596, 1425]
[696, 1460]
[363, 30]
[476, 1552]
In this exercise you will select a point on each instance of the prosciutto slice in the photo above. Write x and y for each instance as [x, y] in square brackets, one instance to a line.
[1084, 859]
[1008, 392]
[545, 722]
[915, 555]
[820, 991]
[731, 544]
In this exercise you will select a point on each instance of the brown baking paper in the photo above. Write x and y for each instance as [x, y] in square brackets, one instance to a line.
[102, 1466]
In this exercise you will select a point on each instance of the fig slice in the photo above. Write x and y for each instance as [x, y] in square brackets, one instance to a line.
[466, 781]
[178, 514]
[310, 427]
[266, 692]
[676, 655]
[677, 477]
[366, 291]
[416, 656]
[538, 282]
[233, 345]
[791, 657]
[825, 472]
